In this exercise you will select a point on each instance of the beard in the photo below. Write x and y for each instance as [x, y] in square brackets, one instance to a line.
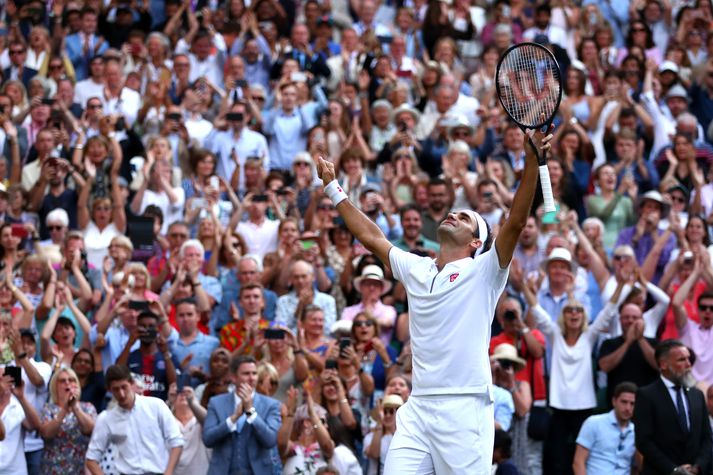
[685, 379]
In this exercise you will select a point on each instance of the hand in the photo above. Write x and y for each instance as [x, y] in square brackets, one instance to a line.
[107, 264]
[291, 401]
[161, 343]
[101, 341]
[19, 390]
[189, 394]
[245, 393]
[325, 171]
[15, 341]
[349, 353]
[540, 139]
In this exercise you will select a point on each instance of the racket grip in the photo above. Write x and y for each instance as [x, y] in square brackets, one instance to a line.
[549, 202]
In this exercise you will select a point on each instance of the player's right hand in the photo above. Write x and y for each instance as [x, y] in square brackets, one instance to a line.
[325, 171]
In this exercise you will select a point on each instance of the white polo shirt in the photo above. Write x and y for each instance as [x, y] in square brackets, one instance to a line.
[450, 316]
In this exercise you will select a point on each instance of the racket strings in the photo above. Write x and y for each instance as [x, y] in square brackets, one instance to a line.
[529, 84]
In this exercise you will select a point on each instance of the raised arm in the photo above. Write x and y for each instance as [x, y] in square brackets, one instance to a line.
[522, 202]
[364, 229]
[678, 309]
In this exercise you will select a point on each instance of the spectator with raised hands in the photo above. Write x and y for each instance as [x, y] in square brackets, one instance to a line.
[195, 457]
[67, 424]
[17, 415]
[572, 343]
[61, 328]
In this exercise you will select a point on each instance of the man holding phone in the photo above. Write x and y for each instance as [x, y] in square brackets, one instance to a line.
[233, 146]
[17, 415]
[152, 360]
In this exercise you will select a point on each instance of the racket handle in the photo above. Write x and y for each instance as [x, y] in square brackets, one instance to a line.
[549, 202]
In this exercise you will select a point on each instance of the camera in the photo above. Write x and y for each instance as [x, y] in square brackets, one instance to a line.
[510, 315]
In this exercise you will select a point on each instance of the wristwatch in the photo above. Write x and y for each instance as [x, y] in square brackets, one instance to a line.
[250, 412]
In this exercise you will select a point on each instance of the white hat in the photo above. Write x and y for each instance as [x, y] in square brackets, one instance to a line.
[393, 400]
[653, 195]
[668, 66]
[406, 108]
[505, 351]
[373, 272]
[560, 254]
[677, 91]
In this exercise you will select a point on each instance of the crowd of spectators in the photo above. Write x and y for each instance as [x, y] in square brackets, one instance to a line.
[179, 296]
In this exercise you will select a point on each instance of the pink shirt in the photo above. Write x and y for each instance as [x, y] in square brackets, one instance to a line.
[700, 341]
[384, 314]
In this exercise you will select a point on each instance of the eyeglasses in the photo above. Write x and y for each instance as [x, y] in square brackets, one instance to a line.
[638, 30]
[363, 323]
[678, 199]
[705, 308]
[56, 228]
[574, 309]
[258, 98]
[389, 410]
[94, 106]
[16, 51]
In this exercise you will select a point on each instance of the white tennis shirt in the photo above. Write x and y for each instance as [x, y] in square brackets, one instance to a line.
[450, 313]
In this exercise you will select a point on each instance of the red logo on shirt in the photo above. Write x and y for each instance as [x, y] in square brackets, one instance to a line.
[454, 276]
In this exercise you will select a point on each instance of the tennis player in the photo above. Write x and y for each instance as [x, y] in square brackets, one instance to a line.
[447, 425]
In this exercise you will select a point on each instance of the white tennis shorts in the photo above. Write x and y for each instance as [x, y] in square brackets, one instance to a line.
[443, 435]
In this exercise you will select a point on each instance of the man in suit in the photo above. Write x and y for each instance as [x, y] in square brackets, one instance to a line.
[672, 432]
[241, 427]
[85, 44]
[17, 70]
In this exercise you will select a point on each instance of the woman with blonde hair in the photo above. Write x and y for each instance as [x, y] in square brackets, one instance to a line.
[67, 424]
[571, 393]
[138, 280]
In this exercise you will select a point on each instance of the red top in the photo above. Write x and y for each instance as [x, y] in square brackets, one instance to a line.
[538, 376]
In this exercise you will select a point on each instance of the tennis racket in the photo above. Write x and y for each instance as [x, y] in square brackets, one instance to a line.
[529, 86]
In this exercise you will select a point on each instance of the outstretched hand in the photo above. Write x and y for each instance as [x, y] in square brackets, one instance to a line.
[541, 140]
[325, 171]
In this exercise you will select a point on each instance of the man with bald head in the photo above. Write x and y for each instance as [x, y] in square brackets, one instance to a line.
[630, 356]
[304, 293]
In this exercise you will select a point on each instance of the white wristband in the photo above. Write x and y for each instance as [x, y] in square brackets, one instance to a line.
[335, 192]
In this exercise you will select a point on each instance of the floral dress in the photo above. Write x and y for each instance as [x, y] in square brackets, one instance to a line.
[303, 460]
[64, 454]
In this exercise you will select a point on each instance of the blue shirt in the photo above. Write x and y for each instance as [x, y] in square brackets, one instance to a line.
[116, 337]
[287, 134]
[249, 144]
[643, 247]
[287, 304]
[504, 407]
[611, 449]
[201, 348]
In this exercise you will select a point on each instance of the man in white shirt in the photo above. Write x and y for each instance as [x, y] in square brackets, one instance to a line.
[116, 98]
[16, 414]
[447, 425]
[259, 232]
[93, 86]
[205, 63]
[146, 436]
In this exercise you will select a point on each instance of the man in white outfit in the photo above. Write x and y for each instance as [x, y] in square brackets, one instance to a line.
[447, 425]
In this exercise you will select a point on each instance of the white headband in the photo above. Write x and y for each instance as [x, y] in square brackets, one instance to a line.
[482, 230]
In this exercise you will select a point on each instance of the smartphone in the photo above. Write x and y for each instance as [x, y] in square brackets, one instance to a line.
[234, 117]
[47, 101]
[298, 76]
[214, 182]
[260, 199]
[183, 380]
[274, 334]
[139, 305]
[15, 372]
[344, 342]
[174, 116]
[241, 83]
[307, 245]
[19, 230]
[330, 364]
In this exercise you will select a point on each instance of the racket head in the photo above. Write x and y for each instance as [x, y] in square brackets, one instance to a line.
[528, 81]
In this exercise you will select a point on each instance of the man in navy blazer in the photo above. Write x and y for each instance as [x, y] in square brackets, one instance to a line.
[672, 430]
[17, 69]
[241, 427]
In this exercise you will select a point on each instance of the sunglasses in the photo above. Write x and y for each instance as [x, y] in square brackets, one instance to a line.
[363, 323]
[17, 51]
[622, 438]
[325, 207]
[705, 308]
[389, 410]
[678, 199]
[55, 228]
[181, 65]
[574, 309]
[94, 106]
[637, 30]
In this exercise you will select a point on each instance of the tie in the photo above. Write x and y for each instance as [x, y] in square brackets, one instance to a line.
[241, 422]
[681, 409]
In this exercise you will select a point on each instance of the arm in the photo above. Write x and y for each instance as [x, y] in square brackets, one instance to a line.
[580, 460]
[364, 229]
[679, 310]
[173, 460]
[522, 202]
[83, 216]
[46, 336]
